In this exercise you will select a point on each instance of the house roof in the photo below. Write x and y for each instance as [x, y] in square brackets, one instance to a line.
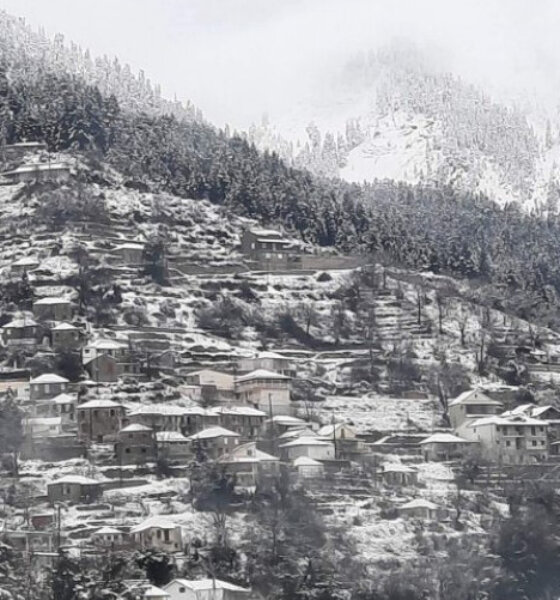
[540, 410]
[306, 441]
[261, 374]
[79, 479]
[305, 461]
[518, 420]
[51, 300]
[129, 246]
[170, 436]
[30, 168]
[171, 410]
[157, 522]
[236, 455]
[268, 354]
[246, 411]
[26, 261]
[135, 427]
[444, 438]
[419, 503]
[294, 433]
[64, 399]
[99, 403]
[287, 420]
[105, 344]
[49, 378]
[44, 421]
[64, 327]
[468, 397]
[154, 592]
[213, 432]
[207, 584]
[20, 324]
[329, 430]
[106, 530]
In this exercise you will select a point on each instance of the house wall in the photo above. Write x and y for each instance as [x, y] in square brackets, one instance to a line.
[73, 492]
[39, 391]
[316, 452]
[135, 447]
[515, 443]
[68, 338]
[99, 424]
[53, 312]
[264, 394]
[444, 451]
[167, 540]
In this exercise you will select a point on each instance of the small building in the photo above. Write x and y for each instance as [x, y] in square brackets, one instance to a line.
[399, 474]
[172, 445]
[41, 427]
[64, 335]
[268, 361]
[110, 538]
[65, 408]
[308, 468]
[419, 509]
[47, 385]
[135, 444]
[215, 386]
[214, 441]
[31, 172]
[164, 417]
[158, 533]
[116, 348]
[246, 420]
[130, 253]
[75, 489]
[283, 423]
[445, 446]
[99, 420]
[265, 390]
[20, 332]
[205, 589]
[103, 368]
[249, 464]
[470, 406]
[52, 309]
[512, 440]
[311, 447]
[270, 248]
[24, 265]
[20, 149]
[347, 444]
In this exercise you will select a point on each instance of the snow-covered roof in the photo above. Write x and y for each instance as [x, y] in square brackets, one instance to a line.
[213, 432]
[20, 324]
[293, 433]
[108, 530]
[286, 420]
[64, 399]
[154, 592]
[64, 327]
[330, 430]
[261, 232]
[444, 438]
[207, 584]
[30, 168]
[306, 441]
[157, 522]
[475, 396]
[161, 409]
[237, 455]
[26, 261]
[246, 411]
[419, 503]
[261, 374]
[50, 421]
[135, 427]
[170, 436]
[540, 410]
[99, 403]
[105, 344]
[51, 300]
[49, 378]
[78, 479]
[129, 246]
[305, 461]
[518, 420]
[268, 354]
[26, 145]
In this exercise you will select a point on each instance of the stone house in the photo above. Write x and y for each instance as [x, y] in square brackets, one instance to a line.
[52, 309]
[20, 149]
[249, 464]
[308, 468]
[135, 445]
[470, 406]
[130, 253]
[205, 589]
[246, 420]
[158, 533]
[347, 444]
[47, 385]
[419, 509]
[215, 386]
[21, 332]
[103, 368]
[445, 446]
[399, 474]
[311, 447]
[265, 390]
[75, 489]
[65, 335]
[116, 348]
[41, 427]
[172, 445]
[270, 249]
[110, 538]
[99, 420]
[214, 441]
[268, 361]
[162, 417]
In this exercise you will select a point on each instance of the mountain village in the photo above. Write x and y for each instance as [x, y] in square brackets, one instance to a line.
[110, 437]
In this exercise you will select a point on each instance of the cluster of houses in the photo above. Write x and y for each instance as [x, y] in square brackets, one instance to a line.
[25, 172]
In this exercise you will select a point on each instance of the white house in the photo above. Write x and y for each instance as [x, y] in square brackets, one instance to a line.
[248, 463]
[214, 441]
[265, 390]
[172, 444]
[469, 406]
[419, 509]
[205, 589]
[308, 467]
[159, 533]
[269, 361]
[47, 385]
[445, 446]
[311, 447]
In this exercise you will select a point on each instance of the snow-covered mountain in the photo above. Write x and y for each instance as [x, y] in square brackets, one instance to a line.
[392, 114]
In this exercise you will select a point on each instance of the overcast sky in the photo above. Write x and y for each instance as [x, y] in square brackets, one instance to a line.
[236, 59]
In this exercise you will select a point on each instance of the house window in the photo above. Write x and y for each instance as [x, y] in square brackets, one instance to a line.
[46, 388]
[127, 450]
[533, 431]
[508, 443]
[112, 413]
[182, 589]
[280, 255]
[166, 535]
[534, 443]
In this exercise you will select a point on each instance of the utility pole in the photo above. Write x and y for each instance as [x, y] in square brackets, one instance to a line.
[334, 435]
[58, 526]
[271, 428]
